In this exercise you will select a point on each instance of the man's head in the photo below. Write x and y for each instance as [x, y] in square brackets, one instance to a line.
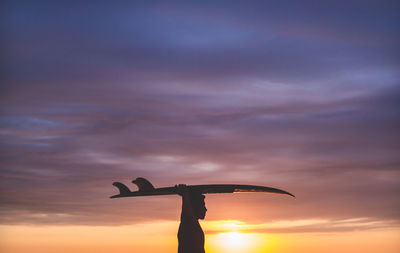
[198, 205]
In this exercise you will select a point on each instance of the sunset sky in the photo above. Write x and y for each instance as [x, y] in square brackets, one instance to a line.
[299, 95]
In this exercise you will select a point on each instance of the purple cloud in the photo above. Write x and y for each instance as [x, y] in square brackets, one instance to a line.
[282, 95]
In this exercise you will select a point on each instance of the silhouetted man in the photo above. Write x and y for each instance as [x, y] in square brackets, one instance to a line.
[190, 234]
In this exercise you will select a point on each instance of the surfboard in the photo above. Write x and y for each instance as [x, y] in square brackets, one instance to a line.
[147, 189]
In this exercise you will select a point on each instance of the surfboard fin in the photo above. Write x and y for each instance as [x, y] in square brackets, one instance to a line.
[123, 189]
[143, 184]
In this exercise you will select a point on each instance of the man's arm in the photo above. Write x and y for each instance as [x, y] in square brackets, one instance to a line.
[187, 213]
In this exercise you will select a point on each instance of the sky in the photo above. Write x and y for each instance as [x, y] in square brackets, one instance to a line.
[302, 96]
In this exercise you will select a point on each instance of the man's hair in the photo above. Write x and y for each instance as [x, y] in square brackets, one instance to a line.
[197, 199]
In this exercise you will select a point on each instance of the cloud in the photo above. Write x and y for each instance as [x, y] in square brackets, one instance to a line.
[253, 94]
[300, 226]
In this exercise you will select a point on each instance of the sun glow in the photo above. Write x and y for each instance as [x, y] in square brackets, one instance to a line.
[234, 236]
[233, 240]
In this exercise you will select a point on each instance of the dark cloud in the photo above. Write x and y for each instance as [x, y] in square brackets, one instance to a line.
[302, 97]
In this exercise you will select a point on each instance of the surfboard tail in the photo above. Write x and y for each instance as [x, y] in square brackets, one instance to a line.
[143, 184]
[123, 190]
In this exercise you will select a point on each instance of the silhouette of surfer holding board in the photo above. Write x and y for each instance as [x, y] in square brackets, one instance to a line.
[190, 234]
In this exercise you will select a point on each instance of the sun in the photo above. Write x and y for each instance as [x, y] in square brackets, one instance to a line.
[233, 241]
[235, 237]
